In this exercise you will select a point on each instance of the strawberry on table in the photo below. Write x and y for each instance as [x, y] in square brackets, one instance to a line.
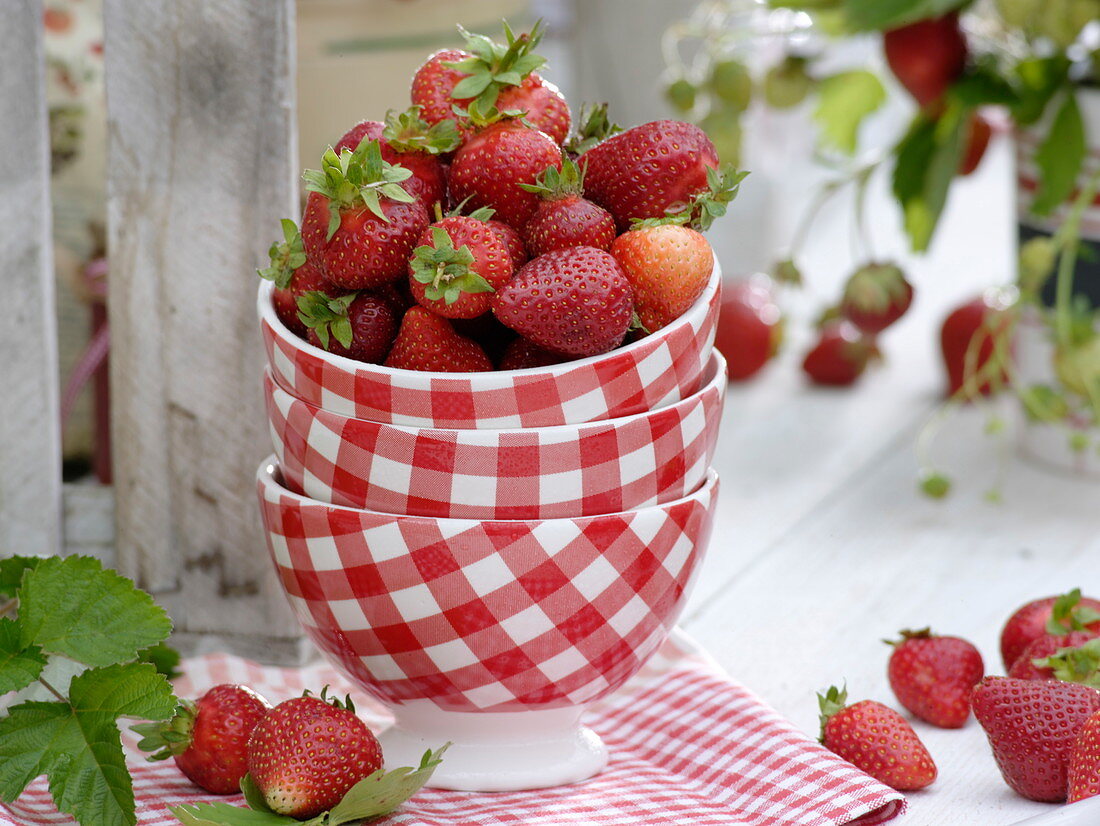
[576, 301]
[565, 218]
[307, 752]
[932, 676]
[1051, 615]
[875, 739]
[1043, 647]
[1032, 726]
[208, 737]
[491, 166]
[358, 326]
[1083, 773]
[360, 225]
[408, 140]
[967, 343]
[840, 355]
[876, 296]
[668, 266]
[294, 276]
[750, 327]
[428, 342]
[458, 265]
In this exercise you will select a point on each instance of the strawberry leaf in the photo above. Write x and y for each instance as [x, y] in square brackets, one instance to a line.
[77, 745]
[285, 257]
[11, 572]
[327, 316]
[20, 665]
[1060, 157]
[384, 791]
[830, 703]
[252, 795]
[225, 814]
[594, 126]
[844, 102]
[73, 607]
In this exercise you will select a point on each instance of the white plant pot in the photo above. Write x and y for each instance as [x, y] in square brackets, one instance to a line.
[1047, 444]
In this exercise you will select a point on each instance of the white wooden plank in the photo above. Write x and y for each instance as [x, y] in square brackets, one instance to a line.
[30, 454]
[202, 142]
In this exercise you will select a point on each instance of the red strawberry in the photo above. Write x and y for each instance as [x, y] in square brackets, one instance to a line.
[358, 326]
[495, 74]
[522, 354]
[428, 342]
[1031, 727]
[359, 225]
[927, 56]
[876, 739]
[565, 218]
[307, 752]
[489, 168]
[968, 343]
[1042, 647]
[840, 355]
[512, 240]
[294, 276]
[1083, 774]
[459, 264]
[750, 327]
[650, 171]
[407, 140]
[668, 267]
[977, 141]
[876, 296]
[575, 301]
[1050, 615]
[932, 676]
[208, 737]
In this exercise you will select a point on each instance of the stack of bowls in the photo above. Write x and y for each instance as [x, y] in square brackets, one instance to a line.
[489, 553]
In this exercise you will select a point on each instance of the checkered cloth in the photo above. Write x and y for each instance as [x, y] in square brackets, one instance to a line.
[661, 368]
[687, 746]
[533, 473]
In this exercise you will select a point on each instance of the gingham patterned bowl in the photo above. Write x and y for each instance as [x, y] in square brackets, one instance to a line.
[532, 473]
[657, 370]
[463, 626]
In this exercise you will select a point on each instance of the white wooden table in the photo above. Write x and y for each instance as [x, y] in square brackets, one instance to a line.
[823, 546]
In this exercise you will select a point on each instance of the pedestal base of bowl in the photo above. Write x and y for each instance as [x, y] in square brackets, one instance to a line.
[496, 752]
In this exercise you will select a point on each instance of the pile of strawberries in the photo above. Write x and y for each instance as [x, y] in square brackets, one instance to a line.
[473, 233]
[1042, 720]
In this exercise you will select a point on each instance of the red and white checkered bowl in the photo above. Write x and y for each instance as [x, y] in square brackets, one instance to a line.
[661, 368]
[531, 473]
[485, 616]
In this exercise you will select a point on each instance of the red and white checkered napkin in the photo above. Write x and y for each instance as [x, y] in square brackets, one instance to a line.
[687, 746]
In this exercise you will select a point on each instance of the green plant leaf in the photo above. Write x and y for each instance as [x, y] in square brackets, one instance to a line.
[844, 101]
[163, 658]
[876, 15]
[927, 162]
[74, 607]
[77, 745]
[1037, 81]
[225, 814]
[1060, 158]
[11, 572]
[384, 791]
[20, 665]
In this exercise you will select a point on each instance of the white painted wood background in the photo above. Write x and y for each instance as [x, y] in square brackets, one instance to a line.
[30, 433]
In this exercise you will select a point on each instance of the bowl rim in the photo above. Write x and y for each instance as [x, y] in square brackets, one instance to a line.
[266, 312]
[719, 381]
[267, 480]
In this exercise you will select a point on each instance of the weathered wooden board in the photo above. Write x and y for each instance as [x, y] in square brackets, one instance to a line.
[201, 146]
[30, 453]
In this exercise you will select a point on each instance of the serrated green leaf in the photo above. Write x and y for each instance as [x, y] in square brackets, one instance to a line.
[77, 744]
[876, 15]
[11, 572]
[383, 792]
[74, 607]
[20, 665]
[225, 814]
[844, 101]
[927, 160]
[1060, 158]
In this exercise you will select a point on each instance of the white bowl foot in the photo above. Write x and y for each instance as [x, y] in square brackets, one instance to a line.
[496, 752]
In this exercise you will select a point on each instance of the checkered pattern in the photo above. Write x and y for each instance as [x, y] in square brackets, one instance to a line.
[533, 473]
[687, 746]
[661, 368]
[486, 616]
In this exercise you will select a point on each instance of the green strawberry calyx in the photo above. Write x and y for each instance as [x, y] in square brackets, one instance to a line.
[359, 178]
[593, 127]
[723, 184]
[168, 738]
[907, 634]
[1068, 615]
[345, 704]
[492, 65]
[327, 316]
[377, 794]
[875, 288]
[408, 132]
[285, 257]
[1080, 664]
[446, 270]
[554, 183]
[830, 703]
